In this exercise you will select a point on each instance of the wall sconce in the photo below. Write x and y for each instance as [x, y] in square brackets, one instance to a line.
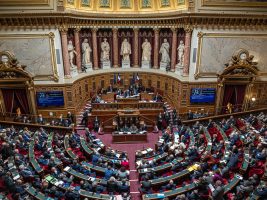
[253, 99]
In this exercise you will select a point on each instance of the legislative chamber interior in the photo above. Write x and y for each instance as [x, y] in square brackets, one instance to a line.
[133, 99]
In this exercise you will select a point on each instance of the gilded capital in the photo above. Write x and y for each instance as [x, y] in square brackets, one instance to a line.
[188, 29]
[135, 29]
[94, 30]
[63, 29]
[77, 30]
[115, 30]
[174, 30]
[156, 30]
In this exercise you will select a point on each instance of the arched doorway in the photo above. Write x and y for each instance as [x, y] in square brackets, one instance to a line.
[235, 83]
[16, 87]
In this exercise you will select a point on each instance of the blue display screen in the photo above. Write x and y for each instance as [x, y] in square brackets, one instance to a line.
[50, 98]
[202, 95]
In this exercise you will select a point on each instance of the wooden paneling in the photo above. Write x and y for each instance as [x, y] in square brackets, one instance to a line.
[177, 93]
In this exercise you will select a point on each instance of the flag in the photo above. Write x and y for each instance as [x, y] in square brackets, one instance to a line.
[133, 79]
[136, 78]
[114, 79]
[119, 79]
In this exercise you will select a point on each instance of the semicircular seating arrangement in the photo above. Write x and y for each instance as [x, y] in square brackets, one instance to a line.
[215, 159]
[209, 160]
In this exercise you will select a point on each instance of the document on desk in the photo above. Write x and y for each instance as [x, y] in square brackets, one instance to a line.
[66, 168]
[211, 188]
[119, 197]
[160, 195]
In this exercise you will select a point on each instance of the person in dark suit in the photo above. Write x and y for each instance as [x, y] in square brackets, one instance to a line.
[96, 124]
[123, 187]
[110, 88]
[157, 98]
[85, 118]
[190, 115]
[71, 194]
[112, 186]
[70, 117]
[160, 119]
[40, 119]
[145, 186]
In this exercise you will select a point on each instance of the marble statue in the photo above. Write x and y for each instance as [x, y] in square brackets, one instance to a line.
[72, 52]
[105, 49]
[126, 50]
[164, 51]
[86, 52]
[146, 55]
[181, 53]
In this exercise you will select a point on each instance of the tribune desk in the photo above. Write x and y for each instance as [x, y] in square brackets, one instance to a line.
[120, 137]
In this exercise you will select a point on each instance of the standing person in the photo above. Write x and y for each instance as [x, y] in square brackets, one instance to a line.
[85, 118]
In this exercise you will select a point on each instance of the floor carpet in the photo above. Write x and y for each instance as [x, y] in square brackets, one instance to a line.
[131, 149]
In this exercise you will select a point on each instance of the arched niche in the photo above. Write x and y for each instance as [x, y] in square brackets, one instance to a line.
[15, 82]
[237, 78]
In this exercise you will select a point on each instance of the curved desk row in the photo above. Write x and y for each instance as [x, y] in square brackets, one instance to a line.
[32, 159]
[36, 194]
[58, 183]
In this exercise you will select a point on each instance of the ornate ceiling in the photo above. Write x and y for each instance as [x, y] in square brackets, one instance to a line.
[131, 13]
[126, 6]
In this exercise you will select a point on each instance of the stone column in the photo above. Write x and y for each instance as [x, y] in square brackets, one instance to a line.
[78, 49]
[188, 33]
[95, 52]
[135, 43]
[156, 48]
[174, 49]
[115, 47]
[65, 53]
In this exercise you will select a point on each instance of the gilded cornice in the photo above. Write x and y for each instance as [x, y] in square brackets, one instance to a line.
[171, 20]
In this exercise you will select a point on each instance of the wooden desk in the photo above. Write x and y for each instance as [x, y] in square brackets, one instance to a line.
[129, 138]
[109, 97]
[128, 100]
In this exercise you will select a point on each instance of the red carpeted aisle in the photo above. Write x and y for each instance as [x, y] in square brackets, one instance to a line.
[131, 149]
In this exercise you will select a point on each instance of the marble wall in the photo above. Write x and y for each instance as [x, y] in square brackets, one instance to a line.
[218, 50]
[37, 50]
[215, 48]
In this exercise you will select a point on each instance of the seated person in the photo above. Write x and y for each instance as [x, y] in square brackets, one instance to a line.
[157, 98]
[112, 186]
[133, 128]
[123, 187]
[125, 128]
[145, 186]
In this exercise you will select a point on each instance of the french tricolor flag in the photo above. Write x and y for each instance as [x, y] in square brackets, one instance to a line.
[137, 78]
[119, 79]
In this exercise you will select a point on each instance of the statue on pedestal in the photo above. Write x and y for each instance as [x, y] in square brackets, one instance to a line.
[71, 51]
[164, 51]
[105, 49]
[86, 55]
[165, 57]
[146, 55]
[125, 50]
[181, 53]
